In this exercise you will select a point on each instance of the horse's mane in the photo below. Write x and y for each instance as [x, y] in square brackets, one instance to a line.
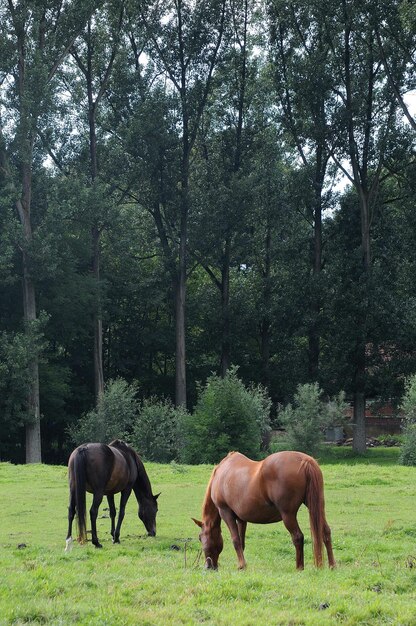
[209, 510]
[118, 443]
[208, 507]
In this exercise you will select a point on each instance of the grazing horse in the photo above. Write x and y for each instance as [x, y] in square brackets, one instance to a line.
[104, 470]
[262, 492]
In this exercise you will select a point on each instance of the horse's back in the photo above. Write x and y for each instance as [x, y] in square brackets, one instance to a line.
[287, 463]
[96, 454]
[283, 464]
[258, 491]
[235, 485]
[286, 475]
[106, 467]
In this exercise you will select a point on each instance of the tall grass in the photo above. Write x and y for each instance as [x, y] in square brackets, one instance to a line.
[370, 505]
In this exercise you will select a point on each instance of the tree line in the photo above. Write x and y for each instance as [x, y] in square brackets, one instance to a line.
[190, 186]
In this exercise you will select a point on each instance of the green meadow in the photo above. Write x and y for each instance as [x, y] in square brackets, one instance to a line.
[371, 508]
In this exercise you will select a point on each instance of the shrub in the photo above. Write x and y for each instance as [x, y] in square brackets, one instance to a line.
[156, 430]
[228, 416]
[113, 418]
[408, 406]
[306, 420]
[408, 449]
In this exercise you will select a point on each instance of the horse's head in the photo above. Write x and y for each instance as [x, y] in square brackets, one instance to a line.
[147, 513]
[211, 542]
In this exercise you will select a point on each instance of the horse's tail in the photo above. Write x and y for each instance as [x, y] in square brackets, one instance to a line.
[79, 479]
[315, 502]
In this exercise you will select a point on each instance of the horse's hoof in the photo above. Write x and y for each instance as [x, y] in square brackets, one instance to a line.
[69, 544]
[116, 540]
[98, 545]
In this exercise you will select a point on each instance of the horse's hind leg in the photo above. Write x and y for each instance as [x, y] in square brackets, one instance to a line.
[113, 512]
[291, 523]
[328, 545]
[96, 501]
[125, 495]
[242, 526]
[71, 515]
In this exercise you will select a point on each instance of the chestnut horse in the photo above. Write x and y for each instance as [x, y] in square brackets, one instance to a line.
[262, 492]
[104, 470]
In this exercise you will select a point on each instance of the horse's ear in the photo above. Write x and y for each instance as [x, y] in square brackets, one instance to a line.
[157, 495]
[197, 522]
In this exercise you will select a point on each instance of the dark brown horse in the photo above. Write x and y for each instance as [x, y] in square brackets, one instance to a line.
[105, 470]
[262, 492]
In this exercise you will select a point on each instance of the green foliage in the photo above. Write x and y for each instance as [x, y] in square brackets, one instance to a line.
[306, 420]
[252, 201]
[155, 433]
[228, 416]
[408, 449]
[17, 351]
[113, 417]
[408, 406]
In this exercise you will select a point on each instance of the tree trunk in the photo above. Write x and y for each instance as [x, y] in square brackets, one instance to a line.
[359, 437]
[96, 234]
[225, 360]
[360, 180]
[33, 441]
[314, 339]
[98, 324]
[359, 434]
[180, 325]
[265, 328]
[180, 290]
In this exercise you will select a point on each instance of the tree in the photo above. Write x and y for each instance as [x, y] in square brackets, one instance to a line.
[395, 35]
[186, 40]
[40, 36]
[94, 54]
[224, 164]
[228, 416]
[299, 49]
[367, 118]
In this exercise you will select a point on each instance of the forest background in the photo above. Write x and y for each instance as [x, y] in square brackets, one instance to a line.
[187, 186]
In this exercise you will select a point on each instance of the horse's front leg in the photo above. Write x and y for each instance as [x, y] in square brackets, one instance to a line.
[113, 512]
[229, 518]
[96, 501]
[125, 495]
[291, 523]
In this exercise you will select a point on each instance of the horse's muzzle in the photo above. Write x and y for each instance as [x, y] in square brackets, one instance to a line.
[209, 564]
[151, 533]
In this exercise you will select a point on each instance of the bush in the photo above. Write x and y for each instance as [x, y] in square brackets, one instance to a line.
[228, 416]
[156, 430]
[113, 418]
[408, 449]
[306, 421]
[408, 406]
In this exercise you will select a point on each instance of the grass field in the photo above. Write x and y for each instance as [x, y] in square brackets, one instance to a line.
[371, 507]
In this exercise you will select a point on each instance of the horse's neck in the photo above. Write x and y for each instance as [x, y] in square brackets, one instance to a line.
[142, 487]
[210, 513]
